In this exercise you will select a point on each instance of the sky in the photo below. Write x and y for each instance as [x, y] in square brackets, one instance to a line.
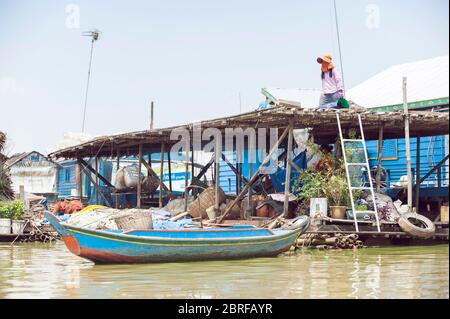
[197, 59]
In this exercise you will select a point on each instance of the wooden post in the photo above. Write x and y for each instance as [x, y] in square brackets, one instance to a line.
[80, 179]
[255, 175]
[287, 184]
[96, 186]
[152, 123]
[118, 160]
[169, 160]
[217, 153]
[408, 145]
[380, 156]
[139, 186]
[417, 189]
[186, 177]
[161, 173]
[96, 179]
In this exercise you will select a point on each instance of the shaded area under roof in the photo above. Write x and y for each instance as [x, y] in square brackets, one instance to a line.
[321, 122]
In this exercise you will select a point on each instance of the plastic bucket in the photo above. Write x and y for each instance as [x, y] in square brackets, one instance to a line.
[5, 226]
[318, 206]
[18, 227]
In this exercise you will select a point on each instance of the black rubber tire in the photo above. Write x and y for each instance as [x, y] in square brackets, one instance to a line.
[415, 231]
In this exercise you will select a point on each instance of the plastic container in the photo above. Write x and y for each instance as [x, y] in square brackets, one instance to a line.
[18, 226]
[444, 214]
[5, 226]
[318, 206]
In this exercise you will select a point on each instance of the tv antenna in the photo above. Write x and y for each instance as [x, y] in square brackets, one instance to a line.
[94, 34]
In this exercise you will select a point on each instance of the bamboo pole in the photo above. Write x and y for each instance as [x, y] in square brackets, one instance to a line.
[161, 173]
[408, 144]
[287, 183]
[380, 156]
[255, 175]
[96, 179]
[96, 186]
[152, 123]
[217, 153]
[169, 163]
[80, 179]
[139, 185]
[186, 177]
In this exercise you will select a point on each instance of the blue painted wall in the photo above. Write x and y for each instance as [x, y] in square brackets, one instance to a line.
[432, 151]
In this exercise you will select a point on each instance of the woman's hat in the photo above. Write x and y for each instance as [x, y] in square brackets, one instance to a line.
[325, 58]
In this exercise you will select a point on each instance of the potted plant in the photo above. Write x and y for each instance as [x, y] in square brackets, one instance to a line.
[17, 210]
[311, 185]
[11, 214]
[336, 190]
[5, 220]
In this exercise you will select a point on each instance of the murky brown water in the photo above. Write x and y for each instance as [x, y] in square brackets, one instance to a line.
[50, 271]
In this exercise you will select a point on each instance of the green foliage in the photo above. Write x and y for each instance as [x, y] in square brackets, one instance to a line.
[12, 210]
[336, 190]
[312, 184]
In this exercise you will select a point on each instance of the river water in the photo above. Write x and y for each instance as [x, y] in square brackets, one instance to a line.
[50, 271]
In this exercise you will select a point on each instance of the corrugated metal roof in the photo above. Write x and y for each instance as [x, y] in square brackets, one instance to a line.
[306, 98]
[426, 80]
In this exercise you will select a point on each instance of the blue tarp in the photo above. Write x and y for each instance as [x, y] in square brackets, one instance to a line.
[279, 178]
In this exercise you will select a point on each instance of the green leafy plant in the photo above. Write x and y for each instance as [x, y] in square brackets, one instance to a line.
[12, 210]
[336, 190]
[311, 184]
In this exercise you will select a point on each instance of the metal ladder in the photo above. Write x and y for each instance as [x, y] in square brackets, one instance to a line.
[365, 164]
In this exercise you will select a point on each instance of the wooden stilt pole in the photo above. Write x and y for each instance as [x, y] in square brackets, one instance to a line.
[169, 160]
[161, 174]
[96, 179]
[379, 157]
[139, 185]
[217, 153]
[287, 183]
[186, 178]
[417, 189]
[408, 145]
[80, 178]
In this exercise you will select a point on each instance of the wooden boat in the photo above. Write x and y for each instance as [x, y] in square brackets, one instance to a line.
[148, 246]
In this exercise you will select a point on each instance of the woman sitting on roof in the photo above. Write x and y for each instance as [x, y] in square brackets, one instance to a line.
[332, 87]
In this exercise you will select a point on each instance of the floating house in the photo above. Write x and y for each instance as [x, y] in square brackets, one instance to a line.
[427, 90]
[35, 172]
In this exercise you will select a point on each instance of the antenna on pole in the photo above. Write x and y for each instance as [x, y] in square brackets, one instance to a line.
[339, 43]
[94, 34]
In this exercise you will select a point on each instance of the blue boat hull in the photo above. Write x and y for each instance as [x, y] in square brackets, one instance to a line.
[174, 246]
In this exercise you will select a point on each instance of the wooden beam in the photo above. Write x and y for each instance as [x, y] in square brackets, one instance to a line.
[80, 178]
[161, 173]
[417, 189]
[169, 160]
[287, 183]
[206, 167]
[431, 171]
[217, 153]
[408, 145]
[255, 175]
[139, 185]
[186, 177]
[102, 178]
[97, 187]
[96, 178]
[380, 156]
[152, 172]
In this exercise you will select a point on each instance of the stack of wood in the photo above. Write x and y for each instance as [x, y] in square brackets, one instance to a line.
[325, 242]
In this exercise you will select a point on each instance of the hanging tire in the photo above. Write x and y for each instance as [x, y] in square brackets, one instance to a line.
[417, 225]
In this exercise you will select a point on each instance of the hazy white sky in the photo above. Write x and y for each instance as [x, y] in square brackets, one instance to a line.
[191, 57]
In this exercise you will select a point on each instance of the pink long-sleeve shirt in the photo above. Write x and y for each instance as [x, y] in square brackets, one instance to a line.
[332, 84]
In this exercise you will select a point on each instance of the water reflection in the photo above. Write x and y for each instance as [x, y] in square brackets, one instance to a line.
[49, 271]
